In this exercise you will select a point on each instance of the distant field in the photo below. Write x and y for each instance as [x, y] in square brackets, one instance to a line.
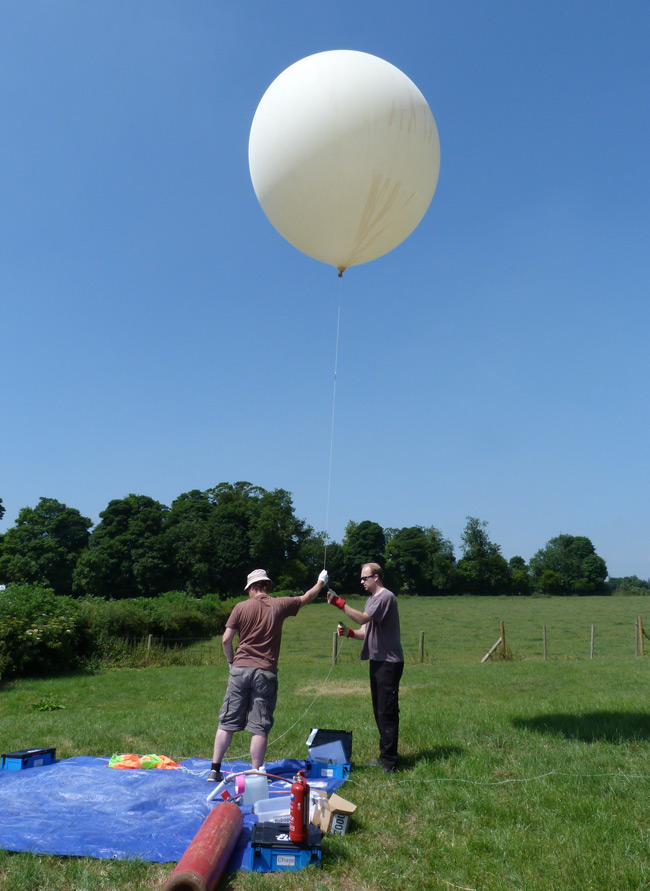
[462, 629]
[524, 774]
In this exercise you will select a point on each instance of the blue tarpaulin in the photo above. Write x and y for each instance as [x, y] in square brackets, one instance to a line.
[81, 807]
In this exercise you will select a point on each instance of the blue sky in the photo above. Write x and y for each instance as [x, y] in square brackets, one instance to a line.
[157, 335]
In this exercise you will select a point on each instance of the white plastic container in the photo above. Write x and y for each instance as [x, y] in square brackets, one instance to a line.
[273, 810]
[256, 788]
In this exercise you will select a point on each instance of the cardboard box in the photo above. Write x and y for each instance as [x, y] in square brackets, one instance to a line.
[333, 814]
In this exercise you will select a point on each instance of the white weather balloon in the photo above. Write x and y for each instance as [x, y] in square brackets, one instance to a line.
[344, 156]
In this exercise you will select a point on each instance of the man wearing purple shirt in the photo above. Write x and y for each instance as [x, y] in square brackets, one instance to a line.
[380, 634]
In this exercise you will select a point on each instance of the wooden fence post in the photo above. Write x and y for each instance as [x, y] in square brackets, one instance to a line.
[421, 646]
[640, 620]
[494, 647]
[335, 647]
[503, 640]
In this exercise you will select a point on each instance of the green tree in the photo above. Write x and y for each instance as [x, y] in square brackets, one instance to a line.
[276, 533]
[406, 561]
[3, 579]
[44, 545]
[363, 542]
[126, 554]
[481, 569]
[441, 569]
[189, 542]
[568, 564]
[316, 552]
[230, 526]
[519, 576]
[214, 538]
[253, 527]
[630, 585]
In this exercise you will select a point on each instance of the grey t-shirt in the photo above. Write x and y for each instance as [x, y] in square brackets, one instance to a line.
[382, 640]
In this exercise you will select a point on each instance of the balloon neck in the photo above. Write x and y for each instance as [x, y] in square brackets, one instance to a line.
[341, 270]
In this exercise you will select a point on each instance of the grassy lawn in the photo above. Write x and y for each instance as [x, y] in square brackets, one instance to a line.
[523, 774]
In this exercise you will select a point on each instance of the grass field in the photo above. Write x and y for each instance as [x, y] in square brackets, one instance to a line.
[520, 774]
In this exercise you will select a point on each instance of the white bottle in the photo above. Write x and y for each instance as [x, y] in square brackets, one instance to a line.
[256, 788]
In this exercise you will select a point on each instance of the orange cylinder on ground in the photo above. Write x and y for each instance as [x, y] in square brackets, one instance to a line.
[207, 855]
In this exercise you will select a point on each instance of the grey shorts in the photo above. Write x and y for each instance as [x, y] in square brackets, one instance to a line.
[250, 701]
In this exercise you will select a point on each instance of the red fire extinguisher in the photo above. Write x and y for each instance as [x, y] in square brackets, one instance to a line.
[299, 810]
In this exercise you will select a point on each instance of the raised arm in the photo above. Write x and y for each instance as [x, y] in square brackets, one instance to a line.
[312, 594]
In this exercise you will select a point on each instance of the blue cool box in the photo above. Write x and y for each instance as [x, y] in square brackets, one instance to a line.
[273, 851]
[25, 758]
[319, 738]
[320, 769]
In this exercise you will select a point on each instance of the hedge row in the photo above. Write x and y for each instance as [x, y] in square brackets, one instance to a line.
[44, 633]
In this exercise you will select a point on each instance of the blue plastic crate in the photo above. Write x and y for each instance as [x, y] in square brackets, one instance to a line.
[319, 769]
[273, 851]
[25, 758]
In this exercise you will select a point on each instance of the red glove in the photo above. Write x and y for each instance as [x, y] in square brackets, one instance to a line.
[342, 631]
[335, 600]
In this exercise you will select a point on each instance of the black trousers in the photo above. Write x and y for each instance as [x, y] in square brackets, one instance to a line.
[384, 689]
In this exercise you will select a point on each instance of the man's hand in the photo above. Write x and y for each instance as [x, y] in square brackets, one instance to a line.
[323, 577]
[335, 600]
[343, 631]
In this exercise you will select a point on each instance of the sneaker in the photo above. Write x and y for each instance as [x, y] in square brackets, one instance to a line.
[215, 776]
[389, 768]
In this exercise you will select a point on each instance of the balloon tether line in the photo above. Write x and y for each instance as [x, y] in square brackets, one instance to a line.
[329, 479]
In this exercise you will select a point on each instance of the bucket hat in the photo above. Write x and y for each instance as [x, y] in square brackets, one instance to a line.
[257, 575]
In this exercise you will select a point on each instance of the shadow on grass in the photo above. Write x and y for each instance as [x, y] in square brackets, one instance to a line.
[605, 726]
[7, 683]
[438, 753]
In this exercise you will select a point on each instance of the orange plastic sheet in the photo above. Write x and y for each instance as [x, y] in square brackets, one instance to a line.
[135, 762]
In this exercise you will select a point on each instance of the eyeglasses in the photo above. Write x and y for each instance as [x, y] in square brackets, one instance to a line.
[364, 578]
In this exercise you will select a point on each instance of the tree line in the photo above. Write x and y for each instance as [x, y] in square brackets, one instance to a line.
[206, 542]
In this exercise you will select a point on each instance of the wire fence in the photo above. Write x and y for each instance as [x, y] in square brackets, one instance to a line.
[513, 639]
[171, 651]
[208, 651]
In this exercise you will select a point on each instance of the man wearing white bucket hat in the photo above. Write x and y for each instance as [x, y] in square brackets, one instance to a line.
[252, 689]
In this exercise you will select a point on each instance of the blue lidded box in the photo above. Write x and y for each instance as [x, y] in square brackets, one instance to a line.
[25, 758]
[320, 769]
[273, 851]
[328, 757]
[322, 739]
